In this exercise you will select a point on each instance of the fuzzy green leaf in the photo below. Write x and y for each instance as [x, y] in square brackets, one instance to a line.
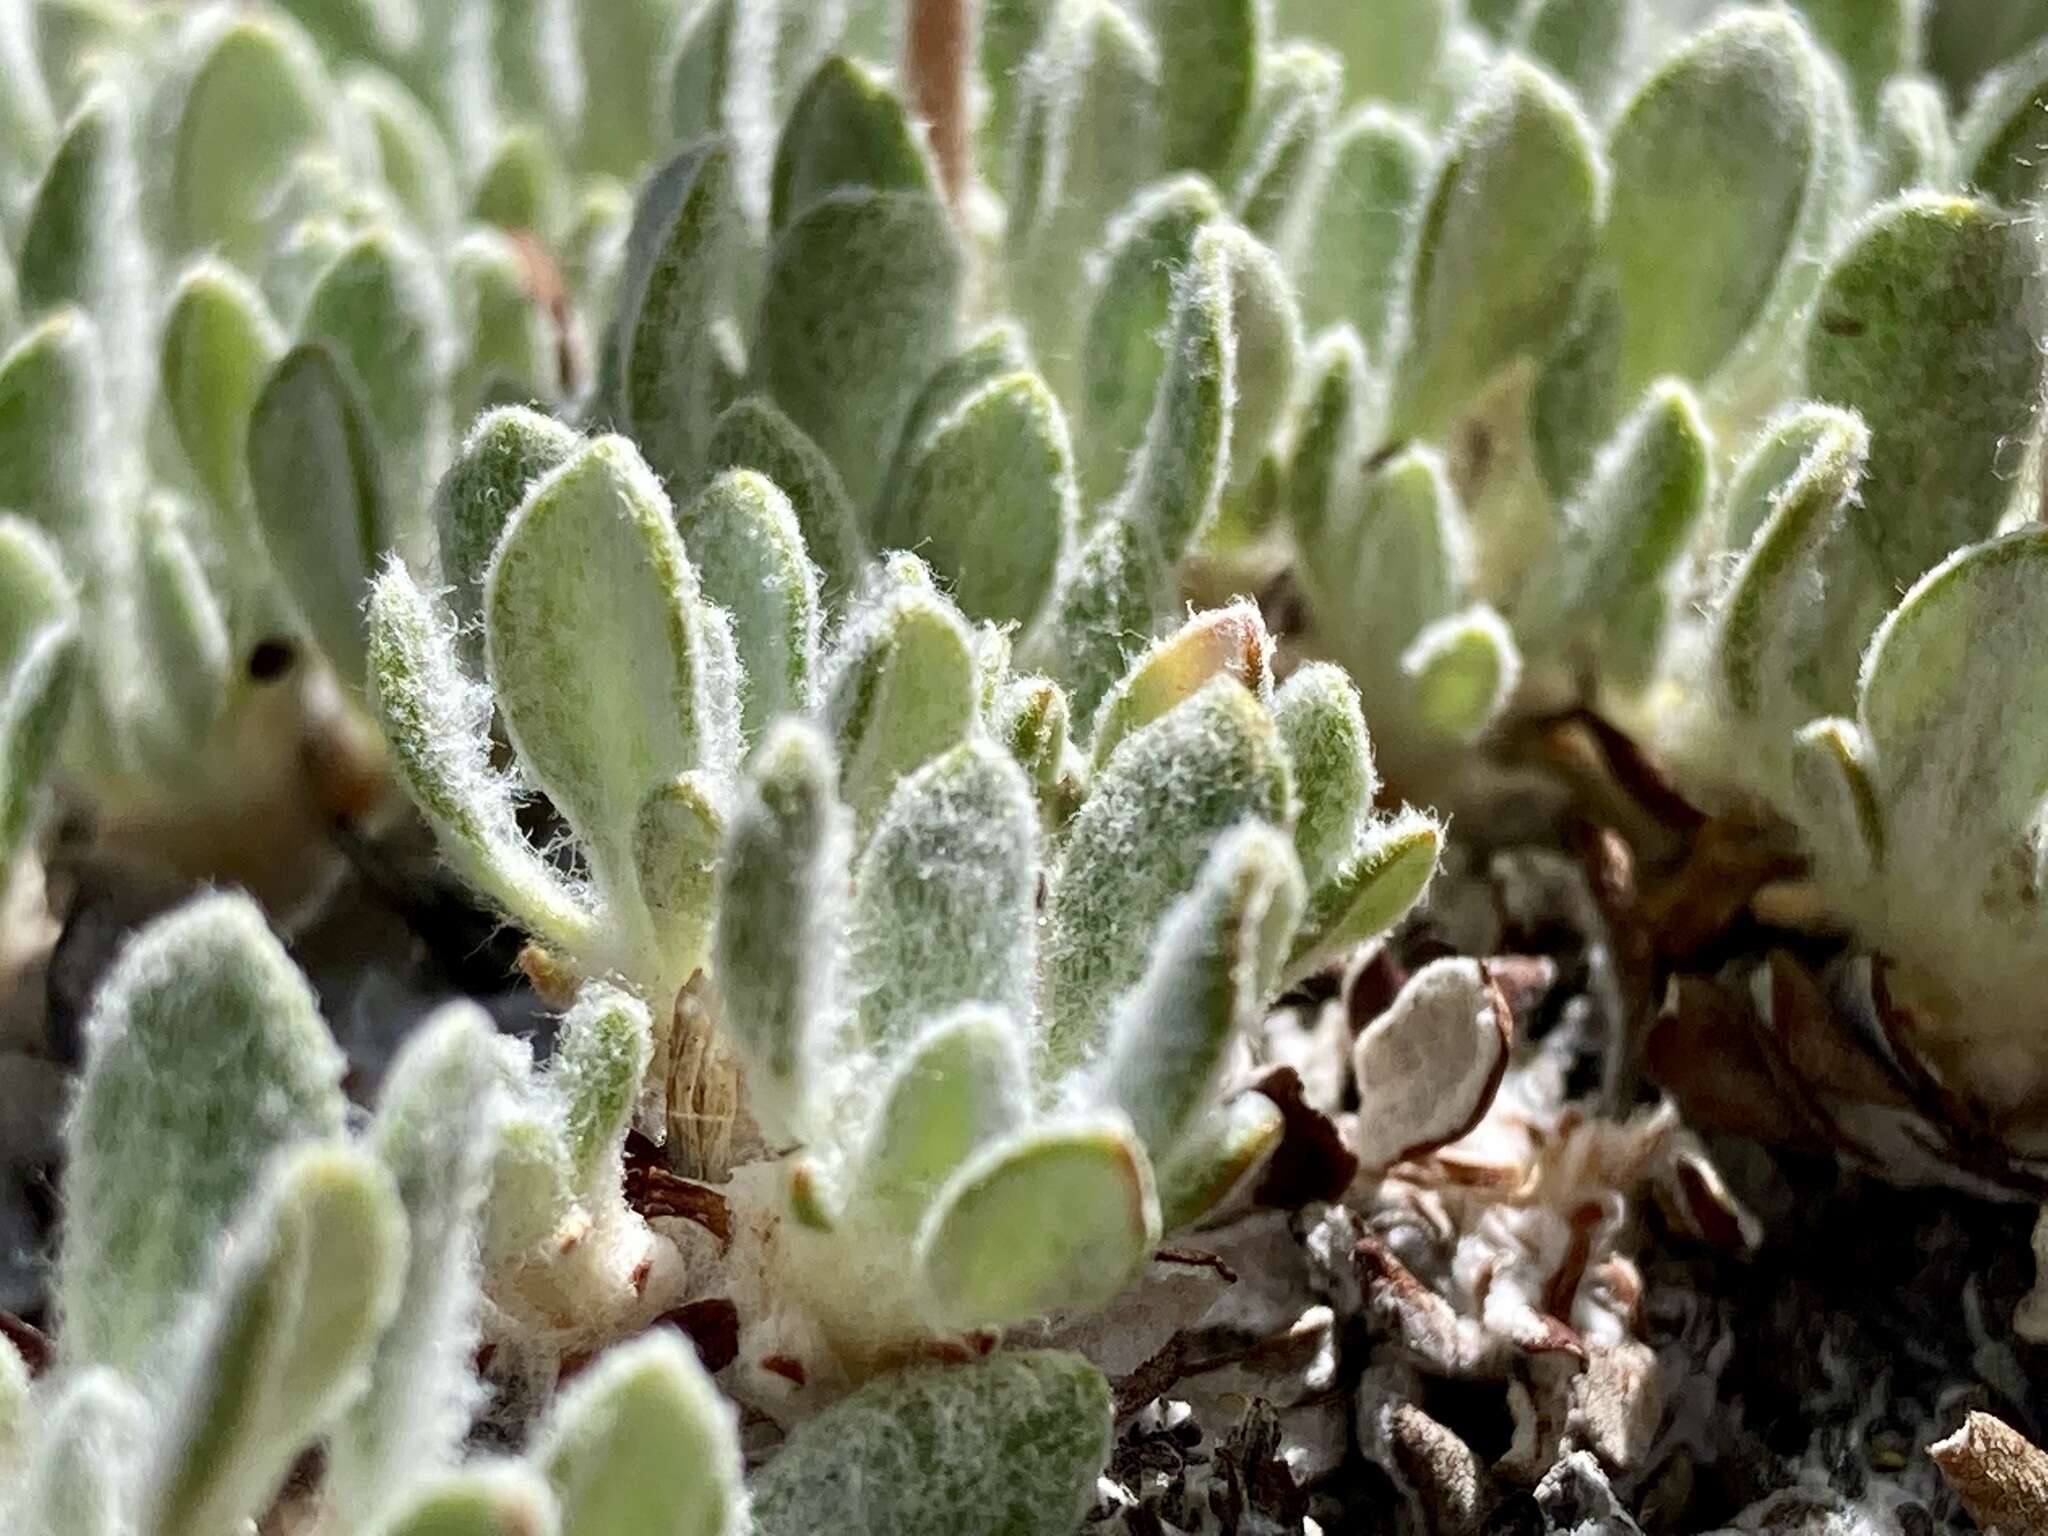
[93, 1430]
[186, 629]
[946, 897]
[670, 374]
[1088, 136]
[1105, 606]
[1033, 721]
[1266, 350]
[620, 45]
[1627, 525]
[1804, 601]
[257, 101]
[532, 1205]
[311, 1278]
[1393, 559]
[206, 1043]
[780, 897]
[506, 453]
[1216, 1157]
[642, 1445]
[847, 130]
[321, 496]
[1949, 702]
[743, 534]
[988, 497]
[1010, 1444]
[1155, 810]
[1833, 798]
[695, 72]
[1718, 162]
[1391, 48]
[995, 351]
[39, 658]
[1323, 731]
[960, 1084]
[903, 687]
[412, 159]
[1925, 328]
[660, 199]
[1299, 86]
[1176, 478]
[859, 308]
[1875, 40]
[436, 720]
[1224, 642]
[219, 346]
[507, 1500]
[82, 242]
[1517, 199]
[676, 838]
[1214, 965]
[1057, 1218]
[1462, 672]
[590, 570]
[1326, 431]
[1010, 31]
[435, 1132]
[509, 350]
[1385, 876]
[2001, 139]
[1352, 270]
[1913, 144]
[28, 124]
[1123, 352]
[1762, 473]
[606, 1042]
[1576, 403]
[1964, 41]
[521, 187]
[379, 305]
[1209, 53]
[753, 434]
[1585, 42]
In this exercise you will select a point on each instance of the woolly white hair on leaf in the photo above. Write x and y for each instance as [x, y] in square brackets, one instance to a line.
[437, 721]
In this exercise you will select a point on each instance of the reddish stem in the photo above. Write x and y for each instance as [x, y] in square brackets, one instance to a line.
[938, 47]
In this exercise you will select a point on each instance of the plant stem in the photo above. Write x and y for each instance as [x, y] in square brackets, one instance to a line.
[938, 43]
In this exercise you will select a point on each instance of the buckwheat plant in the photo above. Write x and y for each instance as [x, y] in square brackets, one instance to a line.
[201, 237]
[840, 329]
[995, 1041]
[262, 1279]
[908, 796]
[266, 1280]
[1560, 316]
[259, 261]
[1672, 392]
[643, 609]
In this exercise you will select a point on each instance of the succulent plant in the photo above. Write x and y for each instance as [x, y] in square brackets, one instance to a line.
[863, 899]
